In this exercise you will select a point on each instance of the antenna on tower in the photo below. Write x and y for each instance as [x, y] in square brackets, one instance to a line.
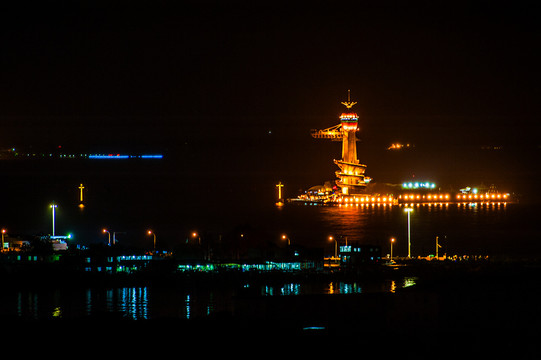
[349, 103]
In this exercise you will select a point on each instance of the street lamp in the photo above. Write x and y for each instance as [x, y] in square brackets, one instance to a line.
[285, 237]
[437, 248]
[53, 206]
[409, 210]
[107, 231]
[392, 241]
[3, 232]
[335, 246]
[152, 233]
[196, 235]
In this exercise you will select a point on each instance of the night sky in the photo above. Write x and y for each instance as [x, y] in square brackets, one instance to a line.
[231, 84]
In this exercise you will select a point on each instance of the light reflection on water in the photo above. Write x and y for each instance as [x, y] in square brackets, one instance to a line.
[336, 287]
[140, 303]
[469, 228]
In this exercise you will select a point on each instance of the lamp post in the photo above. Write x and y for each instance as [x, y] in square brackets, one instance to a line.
[437, 247]
[196, 235]
[3, 232]
[150, 232]
[335, 246]
[392, 241]
[409, 210]
[53, 207]
[285, 237]
[107, 231]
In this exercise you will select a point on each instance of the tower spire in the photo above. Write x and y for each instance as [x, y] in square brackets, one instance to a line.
[349, 103]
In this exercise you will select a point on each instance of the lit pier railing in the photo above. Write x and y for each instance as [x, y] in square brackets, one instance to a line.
[407, 198]
[365, 199]
[483, 197]
[429, 198]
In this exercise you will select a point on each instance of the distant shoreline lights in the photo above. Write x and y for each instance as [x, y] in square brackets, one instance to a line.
[120, 156]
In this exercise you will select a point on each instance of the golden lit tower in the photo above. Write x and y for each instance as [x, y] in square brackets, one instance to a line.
[351, 177]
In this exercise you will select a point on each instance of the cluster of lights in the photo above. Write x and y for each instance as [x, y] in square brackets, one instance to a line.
[350, 117]
[397, 146]
[417, 185]
[349, 126]
[430, 197]
[446, 197]
[366, 199]
[90, 156]
[120, 156]
[482, 196]
[349, 121]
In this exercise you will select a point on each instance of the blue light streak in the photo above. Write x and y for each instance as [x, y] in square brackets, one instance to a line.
[121, 157]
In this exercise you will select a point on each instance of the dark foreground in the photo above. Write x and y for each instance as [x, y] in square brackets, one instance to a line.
[481, 309]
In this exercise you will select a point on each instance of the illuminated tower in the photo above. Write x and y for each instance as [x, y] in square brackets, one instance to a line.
[351, 177]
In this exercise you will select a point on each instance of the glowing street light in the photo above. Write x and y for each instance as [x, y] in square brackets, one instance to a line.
[107, 231]
[437, 248]
[335, 246]
[3, 232]
[392, 241]
[285, 237]
[409, 210]
[150, 232]
[53, 207]
[196, 235]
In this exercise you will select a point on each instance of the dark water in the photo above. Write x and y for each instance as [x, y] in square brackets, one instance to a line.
[131, 197]
[175, 302]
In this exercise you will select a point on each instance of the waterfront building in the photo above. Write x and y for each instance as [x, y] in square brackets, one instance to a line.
[354, 254]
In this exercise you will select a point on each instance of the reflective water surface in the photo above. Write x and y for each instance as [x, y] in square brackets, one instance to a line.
[142, 303]
[496, 229]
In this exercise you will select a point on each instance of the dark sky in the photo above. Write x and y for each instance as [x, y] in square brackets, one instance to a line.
[249, 81]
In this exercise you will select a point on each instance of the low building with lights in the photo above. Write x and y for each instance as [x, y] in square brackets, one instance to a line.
[354, 254]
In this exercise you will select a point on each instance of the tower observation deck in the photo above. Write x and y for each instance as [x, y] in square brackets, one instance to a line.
[351, 178]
